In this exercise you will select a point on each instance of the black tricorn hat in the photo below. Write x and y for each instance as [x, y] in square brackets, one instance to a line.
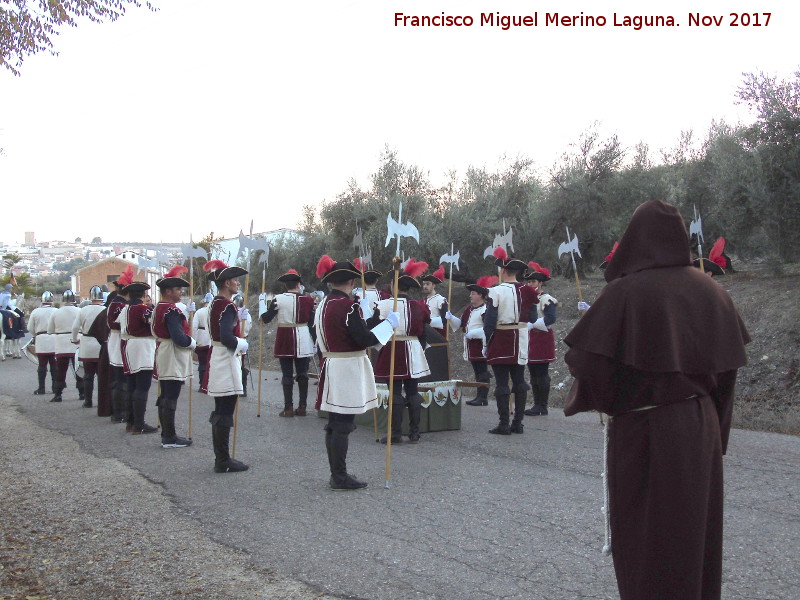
[504, 261]
[219, 271]
[330, 271]
[537, 272]
[482, 285]
[710, 266]
[436, 277]
[135, 286]
[171, 279]
[291, 276]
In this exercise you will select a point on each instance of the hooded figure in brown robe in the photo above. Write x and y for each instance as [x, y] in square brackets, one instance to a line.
[658, 352]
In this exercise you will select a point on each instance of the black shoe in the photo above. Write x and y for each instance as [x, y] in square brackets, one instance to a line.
[537, 410]
[39, 392]
[56, 398]
[478, 402]
[144, 429]
[501, 429]
[348, 483]
[516, 428]
[413, 438]
[87, 404]
[396, 439]
[116, 420]
[230, 465]
[175, 442]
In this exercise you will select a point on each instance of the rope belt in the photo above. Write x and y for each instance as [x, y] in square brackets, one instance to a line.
[292, 324]
[199, 327]
[128, 337]
[353, 354]
[405, 338]
[505, 326]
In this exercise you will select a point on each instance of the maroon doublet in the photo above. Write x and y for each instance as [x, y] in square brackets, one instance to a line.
[286, 337]
[503, 348]
[417, 315]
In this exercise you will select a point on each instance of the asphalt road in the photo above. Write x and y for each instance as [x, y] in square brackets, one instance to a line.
[468, 515]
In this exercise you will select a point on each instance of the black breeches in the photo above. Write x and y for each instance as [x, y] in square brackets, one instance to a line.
[62, 364]
[89, 370]
[410, 386]
[139, 383]
[290, 366]
[225, 405]
[478, 368]
[503, 372]
[45, 360]
[170, 391]
[538, 369]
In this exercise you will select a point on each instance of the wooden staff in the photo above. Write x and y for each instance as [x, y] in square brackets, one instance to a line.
[396, 266]
[191, 321]
[261, 342]
[447, 323]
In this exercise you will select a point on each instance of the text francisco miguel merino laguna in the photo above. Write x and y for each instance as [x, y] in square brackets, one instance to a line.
[548, 19]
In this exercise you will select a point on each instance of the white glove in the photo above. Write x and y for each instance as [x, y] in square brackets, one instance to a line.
[262, 307]
[455, 322]
[193, 345]
[243, 313]
[448, 315]
[475, 334]
[436, 322]
[262, 298]
[583, 306]
[241, 346]
[483, 351]
[366, 307]
[393, 318]
[530, 325]
[191, 307]
[539, 324]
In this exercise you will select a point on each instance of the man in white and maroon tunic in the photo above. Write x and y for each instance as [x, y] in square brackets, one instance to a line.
[61, 329]
[511, 307]
[410, 363]
[294, 344]
[173, 353]
[437, 304]
[471, 323]
[120, 394]
[347, 384]
[541, 341]
[45, 344]
[371, 293]
[89, 347]
[224, 372]
[200, 334]
[138, 355]
[245, 325]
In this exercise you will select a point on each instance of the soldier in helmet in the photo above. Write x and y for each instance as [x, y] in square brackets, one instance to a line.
[200, 334]
[44, 343]
[61, 329]
[89, 347]
[246, 322]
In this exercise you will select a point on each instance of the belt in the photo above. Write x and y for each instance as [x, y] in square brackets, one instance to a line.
[163, 339]
[218, 344]
[292, 324]
[41, 333]
[512, 326]
[353, 354]
[63, 332]
[405, 338]
[200, 327]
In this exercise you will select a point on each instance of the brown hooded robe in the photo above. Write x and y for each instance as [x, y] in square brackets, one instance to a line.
[658, 352]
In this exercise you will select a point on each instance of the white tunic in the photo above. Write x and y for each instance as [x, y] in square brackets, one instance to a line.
[200, 327]
[475, 321]
[224, 371]
[89, 347]
[287, 314]
[435, 304]
[139, 352]
[38, 323]
[61, 329]
[504, 297]
[418, 364]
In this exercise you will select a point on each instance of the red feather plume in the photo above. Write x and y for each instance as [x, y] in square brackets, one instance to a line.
[324, 265]
[175, 271]
[439, 273]
[534, 266]
[487, 281]
[500, 253]
[611, 254]
[127, 276]
[357, 263]
[544, 271]
[292, 272]
[214, 265]
[415, 268]
[715, 255]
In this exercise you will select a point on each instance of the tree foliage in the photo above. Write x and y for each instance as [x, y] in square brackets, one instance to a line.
[28, 27]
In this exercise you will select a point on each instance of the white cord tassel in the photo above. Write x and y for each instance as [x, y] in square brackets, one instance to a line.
[606, 508]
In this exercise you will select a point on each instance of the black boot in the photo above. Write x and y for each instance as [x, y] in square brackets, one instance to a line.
[302, 392]
[139, 409]
[42, 374]
[532, 411]
[502, 394]
[220, 434]
[414, 413]
[58, 387]
[398, 405]
[88, 390]
[341, 480]
[539, 408]
[245, 373]
[79, 386]
[117, 400]
[169, 439]
[520, 400]
[482, 393]
[288, 403]
[128, 403]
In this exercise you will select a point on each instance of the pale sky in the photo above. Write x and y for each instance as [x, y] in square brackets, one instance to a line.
[205, 115]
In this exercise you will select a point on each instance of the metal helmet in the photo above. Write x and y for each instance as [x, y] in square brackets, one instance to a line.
[47, 297]
[96, 293]
[238, 299]
[68, 296]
